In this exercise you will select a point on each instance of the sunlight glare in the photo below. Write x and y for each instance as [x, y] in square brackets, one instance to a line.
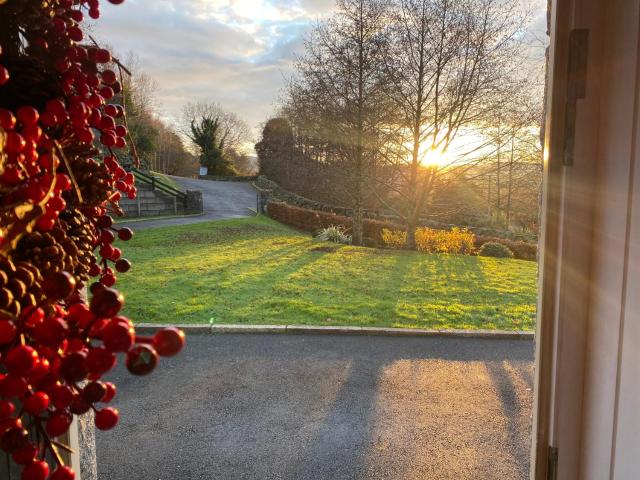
[433, 157]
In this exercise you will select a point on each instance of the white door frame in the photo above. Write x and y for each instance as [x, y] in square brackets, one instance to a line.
[581, 399]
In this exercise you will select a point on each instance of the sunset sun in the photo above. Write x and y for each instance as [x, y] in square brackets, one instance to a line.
[433, 157]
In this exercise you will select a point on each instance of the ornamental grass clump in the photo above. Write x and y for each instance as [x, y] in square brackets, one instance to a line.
[335, 234]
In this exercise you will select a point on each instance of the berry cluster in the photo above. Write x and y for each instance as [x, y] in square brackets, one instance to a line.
[61, 125]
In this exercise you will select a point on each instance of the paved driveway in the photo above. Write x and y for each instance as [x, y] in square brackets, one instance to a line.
[220, 199]
[297, 407]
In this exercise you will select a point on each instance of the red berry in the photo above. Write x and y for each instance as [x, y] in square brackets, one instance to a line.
[26, 454]
[4, 75]
[103, 56]
[8, 331]
[63, 473]
[107, 418]
[61, 396]
[93, 392]
[27, 116]
[80, 313]
[117, 337]
[52, 331]
[59, 285]
[123, 265]
[110, 392]
[125, 234]
[15, 143]
[73, 368]
[79, 406]
[7, 120]
[109, 78]
[38, 470]
[108, 280]
[58, 423]
[21, 359]
[141, 359]
[36, 403]
[12, 386]
[168, 341]
[105, 221]
[106, 302]
[13, 439]
[75, 34]
[100, 360]
[6, 409]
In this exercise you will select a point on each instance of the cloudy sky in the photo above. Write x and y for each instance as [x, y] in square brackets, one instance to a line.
[235, 52]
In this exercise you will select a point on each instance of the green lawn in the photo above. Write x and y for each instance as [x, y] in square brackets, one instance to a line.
[256, 271]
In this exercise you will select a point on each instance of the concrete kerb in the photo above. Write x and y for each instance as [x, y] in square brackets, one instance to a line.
[147, 328]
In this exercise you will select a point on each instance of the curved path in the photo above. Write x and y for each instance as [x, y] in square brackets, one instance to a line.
[220, 199]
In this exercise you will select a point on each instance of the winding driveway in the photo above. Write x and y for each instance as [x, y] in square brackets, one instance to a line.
[220, 199]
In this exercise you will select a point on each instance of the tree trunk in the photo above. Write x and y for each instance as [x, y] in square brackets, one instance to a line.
[356, 230]
[412, 225]
[509, 188]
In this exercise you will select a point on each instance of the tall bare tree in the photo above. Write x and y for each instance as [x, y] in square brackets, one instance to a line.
[338, 96]
[450, 66]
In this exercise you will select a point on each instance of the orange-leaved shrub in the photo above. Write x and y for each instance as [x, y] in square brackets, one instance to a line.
[429, 240]
[393, 238]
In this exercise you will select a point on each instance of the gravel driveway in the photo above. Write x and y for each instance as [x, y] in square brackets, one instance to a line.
[297, 407]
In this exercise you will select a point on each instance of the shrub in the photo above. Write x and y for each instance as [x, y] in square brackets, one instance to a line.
[429, 240]
[393, 238]
[457, 240]
[521, 250]
[335, 234]
[495, 249]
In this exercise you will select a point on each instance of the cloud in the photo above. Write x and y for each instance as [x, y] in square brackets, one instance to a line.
[236, 52]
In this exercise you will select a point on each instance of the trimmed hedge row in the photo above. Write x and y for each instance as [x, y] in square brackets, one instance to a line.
[312, 221]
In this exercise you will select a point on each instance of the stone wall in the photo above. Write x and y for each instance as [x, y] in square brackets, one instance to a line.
[150, 203]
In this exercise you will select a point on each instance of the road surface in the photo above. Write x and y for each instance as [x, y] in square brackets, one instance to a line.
[305, 407]
[220, 200]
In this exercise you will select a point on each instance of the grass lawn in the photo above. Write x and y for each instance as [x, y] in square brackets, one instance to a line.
[257, 271]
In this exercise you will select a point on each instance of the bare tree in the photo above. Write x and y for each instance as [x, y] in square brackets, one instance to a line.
[450, 67]
[338, 98]
[234, 132]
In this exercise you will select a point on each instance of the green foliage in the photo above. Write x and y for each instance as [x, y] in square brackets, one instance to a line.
[335, 234]
[496, 250]
[206, 135]
[257, 271]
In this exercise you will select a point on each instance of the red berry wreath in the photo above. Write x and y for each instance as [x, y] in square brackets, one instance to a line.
[61, 126]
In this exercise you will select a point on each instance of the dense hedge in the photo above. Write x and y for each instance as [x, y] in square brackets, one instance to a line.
[521, 250]
[312, 221]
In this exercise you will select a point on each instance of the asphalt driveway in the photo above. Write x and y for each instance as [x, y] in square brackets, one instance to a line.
[220, 200]
[297, 407]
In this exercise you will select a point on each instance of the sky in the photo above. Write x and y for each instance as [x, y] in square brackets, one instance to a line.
[238, 53]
